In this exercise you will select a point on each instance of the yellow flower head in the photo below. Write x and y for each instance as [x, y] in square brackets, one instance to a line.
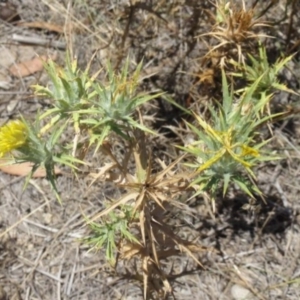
[13, 135]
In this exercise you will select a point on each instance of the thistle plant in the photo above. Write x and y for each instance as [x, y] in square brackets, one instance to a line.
[260, 67]
[23, 141]
[134, 224]
[228, 148]
[113, 105]
[233, 28]
[225, 152]
[111, 228]
[142, 232]
[13, 135]
[93, 107]
[69, 89]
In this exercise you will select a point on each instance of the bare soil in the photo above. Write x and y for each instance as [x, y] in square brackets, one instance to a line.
[250, 256]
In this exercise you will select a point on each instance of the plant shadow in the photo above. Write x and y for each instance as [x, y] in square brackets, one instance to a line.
[265, 216]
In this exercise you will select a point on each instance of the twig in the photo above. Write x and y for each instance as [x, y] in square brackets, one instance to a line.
[27, 262]
[71, 280]
[53, 230]
[39, 41]
[22, 219]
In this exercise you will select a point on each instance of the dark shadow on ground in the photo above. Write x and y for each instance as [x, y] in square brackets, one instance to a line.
[267, 216]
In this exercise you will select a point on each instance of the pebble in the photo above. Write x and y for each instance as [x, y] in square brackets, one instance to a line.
[238, 292]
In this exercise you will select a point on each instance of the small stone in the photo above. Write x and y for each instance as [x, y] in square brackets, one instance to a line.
[12, 105]
[47, 218]
[238, 292]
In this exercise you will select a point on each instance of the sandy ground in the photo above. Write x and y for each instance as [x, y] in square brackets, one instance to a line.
[41, 257]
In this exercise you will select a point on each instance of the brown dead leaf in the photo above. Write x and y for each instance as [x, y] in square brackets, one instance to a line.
[129, 250]
[30, 66]
[43, 25]
[23, 169]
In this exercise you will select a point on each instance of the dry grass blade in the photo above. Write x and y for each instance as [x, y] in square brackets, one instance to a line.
[166, 169]
[106, 147]
[103, 171]
[167, 287]
[157, 197]
[122, 201]
[130, 250]
[142, 220]
[145, 275]
[152, 240]
[140, 202]
[183, 245]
